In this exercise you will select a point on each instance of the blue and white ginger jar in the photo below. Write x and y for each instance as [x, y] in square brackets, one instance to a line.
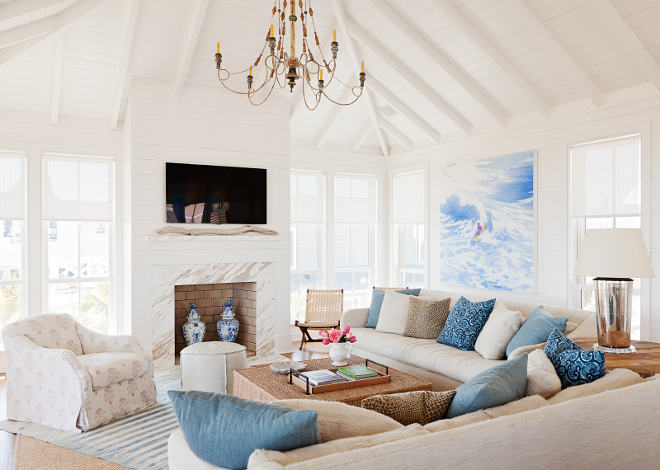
[193, 329]
[228, 326]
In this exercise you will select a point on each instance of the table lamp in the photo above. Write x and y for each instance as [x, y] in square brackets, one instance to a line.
[615, 256]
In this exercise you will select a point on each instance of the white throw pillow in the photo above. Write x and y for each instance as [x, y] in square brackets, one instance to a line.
[541, 376]
[502, 325]
[393, 313]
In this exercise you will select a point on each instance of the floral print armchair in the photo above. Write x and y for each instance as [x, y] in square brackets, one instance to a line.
[65, 376]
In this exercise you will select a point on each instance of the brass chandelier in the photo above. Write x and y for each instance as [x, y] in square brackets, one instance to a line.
[285, 69]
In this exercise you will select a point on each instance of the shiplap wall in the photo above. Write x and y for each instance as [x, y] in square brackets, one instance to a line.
[205, 128]
[632, 110]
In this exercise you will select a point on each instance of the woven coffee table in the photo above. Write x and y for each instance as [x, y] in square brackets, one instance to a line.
[261, 384]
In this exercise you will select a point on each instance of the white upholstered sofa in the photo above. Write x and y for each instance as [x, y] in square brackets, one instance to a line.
[65, 376]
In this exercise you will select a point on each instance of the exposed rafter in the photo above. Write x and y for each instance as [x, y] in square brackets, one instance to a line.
[472, 34]
[326, 129]
[363, 136]
[441, 61]
[644, 59]
[536, 27]
[388, 127]
[191, 43]
[15, 10]
[127, 45]
[414, 80]
[57, 79]
[340, 15]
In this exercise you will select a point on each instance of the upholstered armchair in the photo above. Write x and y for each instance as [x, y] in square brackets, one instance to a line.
[65, 376]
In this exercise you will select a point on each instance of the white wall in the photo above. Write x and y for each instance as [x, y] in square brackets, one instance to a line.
[632, 110]
[204, 127]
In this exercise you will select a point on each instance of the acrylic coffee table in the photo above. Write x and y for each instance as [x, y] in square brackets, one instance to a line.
[261, 384]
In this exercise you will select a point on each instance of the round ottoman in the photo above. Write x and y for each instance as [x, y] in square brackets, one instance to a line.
[209, 366]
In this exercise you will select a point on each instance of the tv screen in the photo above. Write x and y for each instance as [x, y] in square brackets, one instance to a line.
[204, 194]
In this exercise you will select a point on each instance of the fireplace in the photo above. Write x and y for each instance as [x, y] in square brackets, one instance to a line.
[210, 300]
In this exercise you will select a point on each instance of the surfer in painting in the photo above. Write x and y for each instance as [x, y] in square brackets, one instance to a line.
[480, 231]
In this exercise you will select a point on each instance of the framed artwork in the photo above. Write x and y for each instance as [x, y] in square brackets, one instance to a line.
[488, 223]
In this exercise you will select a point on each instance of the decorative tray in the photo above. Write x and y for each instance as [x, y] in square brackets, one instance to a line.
[303, 381]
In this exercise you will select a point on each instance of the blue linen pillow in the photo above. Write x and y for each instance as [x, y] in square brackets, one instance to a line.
[464, 323]
[224, 430]
[377, 297]
[573, 365]
[496, 386]
[536, 329]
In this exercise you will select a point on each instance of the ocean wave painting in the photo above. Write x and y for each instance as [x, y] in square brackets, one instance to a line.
[487, 218]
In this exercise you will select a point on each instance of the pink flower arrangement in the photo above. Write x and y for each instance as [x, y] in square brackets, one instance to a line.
[336, 335]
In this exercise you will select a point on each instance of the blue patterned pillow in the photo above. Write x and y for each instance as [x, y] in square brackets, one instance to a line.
[573, 365]
[465, 322]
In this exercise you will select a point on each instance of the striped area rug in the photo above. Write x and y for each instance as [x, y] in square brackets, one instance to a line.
[138, 441]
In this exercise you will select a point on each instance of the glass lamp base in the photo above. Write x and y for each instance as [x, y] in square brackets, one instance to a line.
[607, 349]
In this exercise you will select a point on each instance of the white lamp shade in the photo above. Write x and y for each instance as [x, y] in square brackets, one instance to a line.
[614, 253]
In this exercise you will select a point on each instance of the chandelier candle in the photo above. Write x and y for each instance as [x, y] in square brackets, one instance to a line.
[288, 70]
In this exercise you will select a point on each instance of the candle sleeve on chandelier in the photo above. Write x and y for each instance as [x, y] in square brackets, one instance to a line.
[272, 31]
[363, 67]
[218, 49]
[250, 70]
[321, 77]
[334, 35]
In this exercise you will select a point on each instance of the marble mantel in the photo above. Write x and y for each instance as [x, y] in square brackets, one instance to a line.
[163, 280]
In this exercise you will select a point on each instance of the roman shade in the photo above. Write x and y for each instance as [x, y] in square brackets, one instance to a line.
[356, 199]
[307, 197]
[408, 198]
[12, 185]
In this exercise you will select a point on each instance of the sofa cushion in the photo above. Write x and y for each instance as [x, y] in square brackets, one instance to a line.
[536, 329]
[586, 329]
[111, 368]
[339, 420]
[426, 317]
[465, 322]
[377, 297]
[411, 407]
[224, 430]
[573, 365]
[496, 386]
[393, 313]
[541, 376]
[502, 325]
[617, 378]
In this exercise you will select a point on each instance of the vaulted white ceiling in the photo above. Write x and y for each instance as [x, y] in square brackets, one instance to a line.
[435, 68]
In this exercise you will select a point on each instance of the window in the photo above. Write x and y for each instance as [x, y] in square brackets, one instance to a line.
[408, 230]
[605, 193]
[79, 225]
[356, 207]
[13, 292]
[307, 237]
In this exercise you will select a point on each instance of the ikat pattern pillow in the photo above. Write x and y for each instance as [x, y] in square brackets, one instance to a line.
[573, 365]
[465, 322]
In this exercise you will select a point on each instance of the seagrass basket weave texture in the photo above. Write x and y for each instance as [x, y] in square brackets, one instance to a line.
[324, 306]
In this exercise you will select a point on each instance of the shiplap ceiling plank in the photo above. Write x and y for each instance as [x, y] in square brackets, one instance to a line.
[471, 33]
[191, 43]
[644, 58]
[129, 33]
[363, 136]
[342, 20]
[57, 79]
[388, 127]
[326, 129]
[20, 8]
[545, 37]
[443, 62]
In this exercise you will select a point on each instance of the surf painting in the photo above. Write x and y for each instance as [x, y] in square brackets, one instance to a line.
[488, 223]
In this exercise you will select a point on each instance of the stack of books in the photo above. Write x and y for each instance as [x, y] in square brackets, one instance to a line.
[356, 372]
[322, 377]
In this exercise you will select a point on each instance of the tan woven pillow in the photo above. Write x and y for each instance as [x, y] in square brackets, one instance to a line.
[426, 317]
[411, 407]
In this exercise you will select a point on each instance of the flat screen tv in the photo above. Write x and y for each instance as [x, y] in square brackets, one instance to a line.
[204, 194]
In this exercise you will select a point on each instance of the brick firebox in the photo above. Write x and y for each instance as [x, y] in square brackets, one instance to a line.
[210, 300]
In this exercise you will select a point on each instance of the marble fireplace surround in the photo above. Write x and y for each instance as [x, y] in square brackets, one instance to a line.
[164, 278]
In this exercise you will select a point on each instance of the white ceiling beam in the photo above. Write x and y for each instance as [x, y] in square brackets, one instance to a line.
[403, 108]
[363, 136]
[414, 80]
[17, 9]
[56, 23]
[445, 63]
[341, 17]
[644, 59]
[191, 44]
[57, 80]
[127, 45]
[544, 37]
[479, 42]
[388, 127]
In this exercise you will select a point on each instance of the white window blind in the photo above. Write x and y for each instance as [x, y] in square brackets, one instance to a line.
[408, 198]
[605, 178]
[307, 197]
[12, 185]
[356, 199]
[78, 188]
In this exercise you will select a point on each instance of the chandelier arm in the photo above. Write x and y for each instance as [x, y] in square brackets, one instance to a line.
[318, 100]
[344, 104]
[264, 100]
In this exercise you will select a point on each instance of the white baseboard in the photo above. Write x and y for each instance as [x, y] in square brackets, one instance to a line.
[283, 344]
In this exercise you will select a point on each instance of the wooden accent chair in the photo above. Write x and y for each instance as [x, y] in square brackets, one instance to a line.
[323, 309]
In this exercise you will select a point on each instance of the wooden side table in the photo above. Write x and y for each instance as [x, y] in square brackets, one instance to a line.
[645, 362]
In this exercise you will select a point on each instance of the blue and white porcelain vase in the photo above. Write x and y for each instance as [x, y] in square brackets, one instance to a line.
[193, 329]
[228, 326]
